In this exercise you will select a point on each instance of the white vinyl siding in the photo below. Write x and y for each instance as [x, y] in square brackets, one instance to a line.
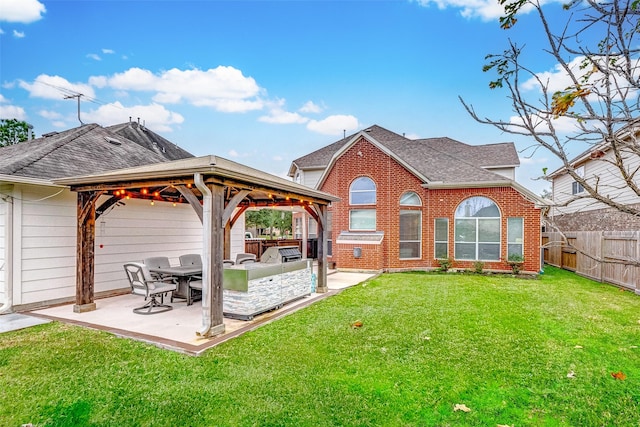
[609, 183]
[46, 260]
[506, 172]
[310, 177]
[3, 242]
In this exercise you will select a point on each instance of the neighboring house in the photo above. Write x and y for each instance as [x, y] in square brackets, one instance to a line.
[574, 210]
[406, 204]
[38, 224]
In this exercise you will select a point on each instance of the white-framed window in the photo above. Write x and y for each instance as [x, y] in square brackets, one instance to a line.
[515, 236]
[410, 226]
[312, 228]
[362, 191]
[362, 220]
[576, 187]
[441, 237]
[477, 230]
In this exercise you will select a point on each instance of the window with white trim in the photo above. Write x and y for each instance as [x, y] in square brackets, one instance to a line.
[362, 192]
[410, 226]
[477, 230]
[441, 238]
[576, 187]
[515, 237]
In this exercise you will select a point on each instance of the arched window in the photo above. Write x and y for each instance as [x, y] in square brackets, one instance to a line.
[477, 230]
[410, 226]
[410, 198]
[362, 192]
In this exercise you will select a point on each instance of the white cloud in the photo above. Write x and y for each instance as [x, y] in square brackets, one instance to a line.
[310, 107]
[233, 153]
[557, 78]
[486, 10]
[561, 125]
[278, 115]
[334, 125]
[12, 112]
[50, 115]
[3, 99]
[55, 87]
[94, 56]
[1, 31]
[277, 158]
[108, 51]
[222, 88]
[18, 34]
[22, 11]
[155, 116]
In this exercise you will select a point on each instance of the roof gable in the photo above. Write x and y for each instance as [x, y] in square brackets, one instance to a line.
[431, 160]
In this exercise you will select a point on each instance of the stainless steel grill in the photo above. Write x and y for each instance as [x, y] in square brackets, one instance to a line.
[279, 254]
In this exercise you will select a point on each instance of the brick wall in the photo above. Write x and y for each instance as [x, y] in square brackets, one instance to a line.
[392, 180]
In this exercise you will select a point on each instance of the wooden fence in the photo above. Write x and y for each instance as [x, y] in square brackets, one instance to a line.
[605, 256]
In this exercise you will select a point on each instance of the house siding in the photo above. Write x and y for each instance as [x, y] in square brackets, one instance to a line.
[392, 180]
[609, 183]
[44, 256]
[4, 205]
[588, 215]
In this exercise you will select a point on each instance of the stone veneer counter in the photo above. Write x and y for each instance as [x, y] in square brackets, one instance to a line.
[253, 288]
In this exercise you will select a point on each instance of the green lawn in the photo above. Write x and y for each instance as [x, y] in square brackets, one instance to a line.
[502, 346]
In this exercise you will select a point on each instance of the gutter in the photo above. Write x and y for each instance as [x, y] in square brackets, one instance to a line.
[206, 244]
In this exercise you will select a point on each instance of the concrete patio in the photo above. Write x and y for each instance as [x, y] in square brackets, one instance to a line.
[176, 329]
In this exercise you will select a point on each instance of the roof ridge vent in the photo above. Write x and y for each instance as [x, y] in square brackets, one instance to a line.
[46, 135]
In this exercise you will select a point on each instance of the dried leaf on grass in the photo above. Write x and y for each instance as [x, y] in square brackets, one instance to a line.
[461, 407]
[571, 374]
[619, 375]
[578, 346]
[356, 324]
[503, 425]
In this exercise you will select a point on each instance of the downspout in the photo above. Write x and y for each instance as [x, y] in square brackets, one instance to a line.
[7, 307]
[206, 255]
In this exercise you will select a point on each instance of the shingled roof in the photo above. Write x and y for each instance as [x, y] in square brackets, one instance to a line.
[87, 149]
[150, 140]
[435, 159]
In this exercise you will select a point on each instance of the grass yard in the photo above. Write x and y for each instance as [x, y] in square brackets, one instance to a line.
[516, 352]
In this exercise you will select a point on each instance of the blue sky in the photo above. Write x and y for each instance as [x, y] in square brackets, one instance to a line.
[262, 82]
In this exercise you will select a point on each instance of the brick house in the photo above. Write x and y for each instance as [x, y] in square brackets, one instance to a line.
[405, 204]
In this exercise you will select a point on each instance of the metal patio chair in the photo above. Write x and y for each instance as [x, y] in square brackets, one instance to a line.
[142, 283]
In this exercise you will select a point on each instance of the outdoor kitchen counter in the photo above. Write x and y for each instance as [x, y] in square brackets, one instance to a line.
[253, 288]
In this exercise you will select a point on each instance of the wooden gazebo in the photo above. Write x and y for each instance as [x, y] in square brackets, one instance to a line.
[219, 190]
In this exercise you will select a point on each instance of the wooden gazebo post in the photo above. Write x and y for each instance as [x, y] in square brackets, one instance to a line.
[85, 262]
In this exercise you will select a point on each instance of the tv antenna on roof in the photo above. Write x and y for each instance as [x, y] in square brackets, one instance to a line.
[78, 95]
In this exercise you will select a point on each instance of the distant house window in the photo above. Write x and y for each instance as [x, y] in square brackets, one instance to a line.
[362, 192]
[410, 226]
[576, 187]
[477, 230]
[442, 238]
[515, 236]
[313, 228]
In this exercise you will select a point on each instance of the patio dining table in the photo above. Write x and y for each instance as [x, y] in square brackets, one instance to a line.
[183, 273]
